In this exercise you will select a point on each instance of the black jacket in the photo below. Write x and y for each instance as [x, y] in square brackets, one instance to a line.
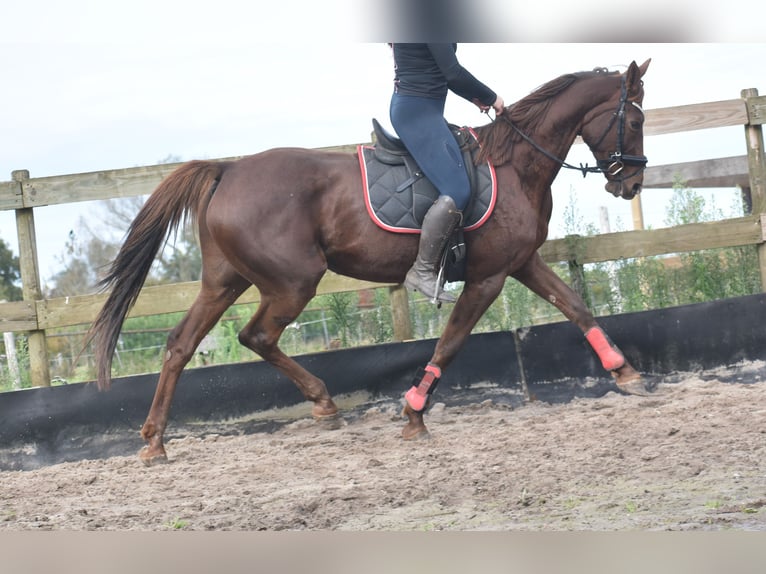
[429, 70]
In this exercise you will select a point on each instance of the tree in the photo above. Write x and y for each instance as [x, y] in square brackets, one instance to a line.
[83, 264]
[89, 251]
[10, 274]
[182, 261]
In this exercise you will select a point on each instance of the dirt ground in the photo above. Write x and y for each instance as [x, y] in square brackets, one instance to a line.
[690, 457]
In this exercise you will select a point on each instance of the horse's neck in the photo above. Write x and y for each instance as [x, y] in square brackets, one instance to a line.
[561, 126]
[556, 142]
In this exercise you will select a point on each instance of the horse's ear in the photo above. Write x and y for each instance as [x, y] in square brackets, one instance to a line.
[634, 75]
[645, 66]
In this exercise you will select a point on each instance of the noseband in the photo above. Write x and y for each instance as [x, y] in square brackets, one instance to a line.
[614, 165]
[617, 161]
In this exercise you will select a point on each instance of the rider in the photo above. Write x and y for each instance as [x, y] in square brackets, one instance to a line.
[424, 73]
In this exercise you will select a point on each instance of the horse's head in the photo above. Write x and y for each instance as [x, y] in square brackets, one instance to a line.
[614, 132]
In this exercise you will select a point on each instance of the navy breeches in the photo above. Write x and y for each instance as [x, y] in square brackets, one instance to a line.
[420, 124]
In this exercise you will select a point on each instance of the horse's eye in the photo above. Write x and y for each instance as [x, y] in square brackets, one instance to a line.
[635, 125]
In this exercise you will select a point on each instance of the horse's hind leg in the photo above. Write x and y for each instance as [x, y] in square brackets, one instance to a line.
[276, 311]
[210, 304]
[538, 277]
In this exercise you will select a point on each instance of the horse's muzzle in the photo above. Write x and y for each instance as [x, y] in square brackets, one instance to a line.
[622, 189]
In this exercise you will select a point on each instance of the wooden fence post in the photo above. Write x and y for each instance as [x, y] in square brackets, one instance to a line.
[637, 211]
[39, 370]
[756, 165]
[400, 311]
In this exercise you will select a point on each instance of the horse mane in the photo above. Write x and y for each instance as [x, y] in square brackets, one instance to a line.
[527, 114]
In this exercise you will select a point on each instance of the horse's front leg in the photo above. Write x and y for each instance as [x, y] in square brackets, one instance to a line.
[538, 277]
[471, 305]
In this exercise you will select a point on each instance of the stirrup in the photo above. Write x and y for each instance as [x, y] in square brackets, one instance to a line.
[440, 295]
[439, 291]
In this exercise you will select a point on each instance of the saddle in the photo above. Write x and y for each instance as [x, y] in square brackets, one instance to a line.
[398, 195]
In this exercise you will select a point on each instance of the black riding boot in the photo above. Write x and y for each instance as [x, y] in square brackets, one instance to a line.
[439, 223]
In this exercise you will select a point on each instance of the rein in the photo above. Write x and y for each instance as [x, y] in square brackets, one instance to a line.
[585, 169]
[616, 162]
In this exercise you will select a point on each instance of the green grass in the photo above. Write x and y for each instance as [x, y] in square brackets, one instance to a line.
[176, 524]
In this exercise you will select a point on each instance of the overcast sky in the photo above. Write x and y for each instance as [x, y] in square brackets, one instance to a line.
[111, 89]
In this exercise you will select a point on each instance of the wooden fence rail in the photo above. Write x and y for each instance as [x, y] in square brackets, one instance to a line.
[35, 314]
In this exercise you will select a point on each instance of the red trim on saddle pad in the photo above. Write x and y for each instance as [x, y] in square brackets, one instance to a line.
[493, 199]
[366, 191]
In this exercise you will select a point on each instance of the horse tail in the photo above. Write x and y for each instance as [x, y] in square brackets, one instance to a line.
[177, 199]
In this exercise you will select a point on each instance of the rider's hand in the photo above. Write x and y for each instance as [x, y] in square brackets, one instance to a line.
[484, 108]
[499, 106]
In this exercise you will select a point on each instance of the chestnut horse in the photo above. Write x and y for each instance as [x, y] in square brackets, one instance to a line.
[280, 219]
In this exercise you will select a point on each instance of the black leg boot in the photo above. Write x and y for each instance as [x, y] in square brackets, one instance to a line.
[440, 221]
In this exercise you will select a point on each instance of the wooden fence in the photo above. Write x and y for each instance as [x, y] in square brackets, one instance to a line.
[35, 314]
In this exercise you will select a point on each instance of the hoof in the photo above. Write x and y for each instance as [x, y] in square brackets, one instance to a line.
[415, 429]
[151, 457]
[636, 387]
[330, 422]
[324, 409]
[630, 381]
[410, 432]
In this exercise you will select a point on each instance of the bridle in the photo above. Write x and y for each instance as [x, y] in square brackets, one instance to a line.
[617, 161]
[614, 165]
